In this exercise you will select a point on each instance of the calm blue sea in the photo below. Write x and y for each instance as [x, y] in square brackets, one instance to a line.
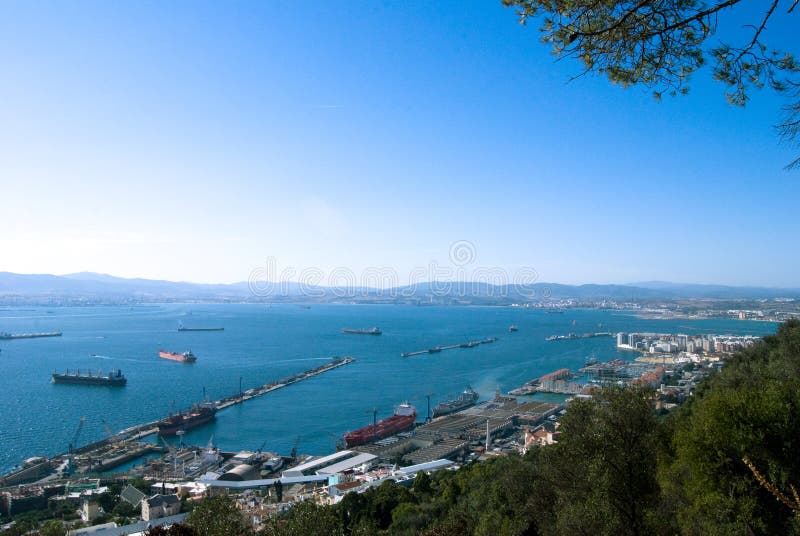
[263, 343]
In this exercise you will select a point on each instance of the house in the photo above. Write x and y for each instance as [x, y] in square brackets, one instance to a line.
[160, 506]
[132, 496]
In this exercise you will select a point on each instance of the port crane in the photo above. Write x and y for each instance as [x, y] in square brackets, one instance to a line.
[428, 415]
[374, 423]
[173, 452]
[112, 437]
[337, 440]
[74, 442]
[294, 448]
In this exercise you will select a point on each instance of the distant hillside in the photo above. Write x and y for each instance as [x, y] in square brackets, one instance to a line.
[106, 288]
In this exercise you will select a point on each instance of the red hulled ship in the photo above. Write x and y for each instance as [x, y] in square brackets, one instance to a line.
[196, 416]
[185, 357]
[404, 417]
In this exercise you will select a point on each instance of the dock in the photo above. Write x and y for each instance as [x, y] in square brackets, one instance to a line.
[285, 382]
[437, 349]
[123, 447]
[570, 336]
[554, 382]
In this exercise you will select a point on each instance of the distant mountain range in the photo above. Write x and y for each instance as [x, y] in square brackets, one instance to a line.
[92, 287]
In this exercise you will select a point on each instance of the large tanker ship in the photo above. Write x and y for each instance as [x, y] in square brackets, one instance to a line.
[11, 336]
[404, 417]
[115, 378]
[198, 415]
[185, 357]
[371, 331]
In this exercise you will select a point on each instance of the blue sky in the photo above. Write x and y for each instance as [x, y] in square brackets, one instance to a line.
[195, 140]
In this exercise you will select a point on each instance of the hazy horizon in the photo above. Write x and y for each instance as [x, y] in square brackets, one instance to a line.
[642, 284]
[190, 142]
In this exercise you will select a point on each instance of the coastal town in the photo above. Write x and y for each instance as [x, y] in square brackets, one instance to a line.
[79, 490]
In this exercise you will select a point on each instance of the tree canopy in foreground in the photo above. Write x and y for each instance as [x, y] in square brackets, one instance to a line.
[660, 43]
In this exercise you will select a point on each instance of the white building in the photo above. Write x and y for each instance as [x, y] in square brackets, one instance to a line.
[160, 506]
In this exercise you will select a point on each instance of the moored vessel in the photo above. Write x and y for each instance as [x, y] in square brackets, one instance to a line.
[404, 417]
[185, 357]
[197, 415]
[115, 378]
[466, 399]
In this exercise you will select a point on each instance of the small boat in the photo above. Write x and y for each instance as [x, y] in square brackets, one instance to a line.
[512, 329]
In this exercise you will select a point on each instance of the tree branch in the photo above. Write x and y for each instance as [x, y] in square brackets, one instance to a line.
[759, 30]
[696, 17]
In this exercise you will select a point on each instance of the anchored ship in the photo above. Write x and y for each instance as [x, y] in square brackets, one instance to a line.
[198, 415]
[404, 417]
[10, 336]
[185, 357]
[373, 331]
[181, 327]
[464, 401]
[115, 378]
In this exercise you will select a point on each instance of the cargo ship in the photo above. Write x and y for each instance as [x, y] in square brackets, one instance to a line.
[10, 336]
[185, 357]
[373, 331]
[465, 400]
[198, 415]
[404, 417]
[115, 378]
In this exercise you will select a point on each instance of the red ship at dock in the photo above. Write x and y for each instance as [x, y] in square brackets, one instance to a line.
[198, 415]
[405, 415]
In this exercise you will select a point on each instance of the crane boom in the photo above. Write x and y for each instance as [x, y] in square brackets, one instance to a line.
[74, 441]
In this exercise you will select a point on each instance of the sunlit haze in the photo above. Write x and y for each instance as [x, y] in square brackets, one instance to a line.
[195, 140]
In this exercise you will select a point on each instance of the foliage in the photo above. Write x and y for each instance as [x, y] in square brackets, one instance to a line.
[218, 516]
[660, 44]
[601, 473]
[306, 519]
[751, 409]
[52, 528]
[177, 529]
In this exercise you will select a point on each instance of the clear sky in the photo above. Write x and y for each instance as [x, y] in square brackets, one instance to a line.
[194, 140]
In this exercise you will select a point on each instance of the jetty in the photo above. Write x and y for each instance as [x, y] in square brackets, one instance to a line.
[437, 349]
[554, 382]
[570, 336]
[285, 382]
[124, 446]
